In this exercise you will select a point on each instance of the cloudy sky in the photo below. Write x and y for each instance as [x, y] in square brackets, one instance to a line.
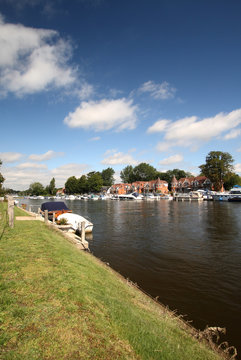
[88, 84]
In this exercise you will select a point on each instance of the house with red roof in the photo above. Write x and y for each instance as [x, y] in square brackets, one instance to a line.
[157, 185]
[190, 184]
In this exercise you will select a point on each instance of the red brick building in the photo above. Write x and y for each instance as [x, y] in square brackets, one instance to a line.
[157, 185]
[190, 183]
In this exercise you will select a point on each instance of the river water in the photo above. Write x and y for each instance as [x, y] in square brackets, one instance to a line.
[187, 253]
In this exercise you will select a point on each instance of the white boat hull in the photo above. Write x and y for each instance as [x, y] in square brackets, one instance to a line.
[75, 221]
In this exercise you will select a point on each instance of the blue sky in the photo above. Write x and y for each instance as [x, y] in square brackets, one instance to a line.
[88, 84]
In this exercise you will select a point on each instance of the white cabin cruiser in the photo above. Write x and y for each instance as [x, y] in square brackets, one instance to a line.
[235, 194]
[75, 221]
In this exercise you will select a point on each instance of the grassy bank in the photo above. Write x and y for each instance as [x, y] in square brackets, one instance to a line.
[59, 303]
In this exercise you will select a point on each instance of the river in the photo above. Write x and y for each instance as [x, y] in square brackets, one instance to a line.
[186, 253]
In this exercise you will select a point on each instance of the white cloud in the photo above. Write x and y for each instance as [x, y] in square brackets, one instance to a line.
[103, 115]
[163, 146]
[190, 131]
[190, 128]
[19, 178]
[172, 160]
[32, 60]
[232, 134]
[86, 90]
[119, 158]
[161, 91]
[46, 156]
[10, 157]
[96, 138]
[62, 173]
[29, 165]
[158, 126]
[237, 168]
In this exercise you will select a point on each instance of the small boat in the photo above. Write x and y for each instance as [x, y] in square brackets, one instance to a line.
[127, 197]
[191, 196]
[149, 196]
[103, 197]
[114, 197]
[221, 196]
[137, 196]
[57, 207]
[235, 194]
[84, 197]
[75, 221]
[94, 197]
[166, 197]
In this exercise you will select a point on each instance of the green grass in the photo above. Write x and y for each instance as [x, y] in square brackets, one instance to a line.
[59, 303]
[19, 212]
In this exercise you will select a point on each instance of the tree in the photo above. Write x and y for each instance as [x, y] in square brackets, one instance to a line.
[108, 176]
[52, 188]
[231, 180]
[71, 185]
[217, 168]
[126, 174]
[36, 189]
[144, 172]
[82, 184]
[94, 181]
[1, 181]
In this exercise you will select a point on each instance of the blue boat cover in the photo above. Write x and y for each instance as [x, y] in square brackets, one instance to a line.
[54, 206]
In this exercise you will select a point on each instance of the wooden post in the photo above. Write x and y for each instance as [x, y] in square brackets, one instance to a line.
[53, 217]
[46, 218]
[83, 231]
[11, 211]
[30, 208]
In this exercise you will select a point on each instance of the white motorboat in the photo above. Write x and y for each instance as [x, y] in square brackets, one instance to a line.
[149, 197]
[75, 221]
[138, 196]
[191, 196]
[127, 197]
[166, 197]
[71, 197]
[221, 196]
[235, 194]
[94, 197]
[84, 197]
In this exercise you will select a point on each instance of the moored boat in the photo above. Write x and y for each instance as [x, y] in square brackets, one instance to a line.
[235, 194]
[127, 197]
[75, 221]
[54, 207]
[220, 196]
[149, 196]
[191, 196]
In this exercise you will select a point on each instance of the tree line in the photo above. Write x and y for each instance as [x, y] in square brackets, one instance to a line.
[218, 168]
[92, 182]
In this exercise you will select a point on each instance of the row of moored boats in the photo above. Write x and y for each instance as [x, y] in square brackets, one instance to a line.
[234, 195]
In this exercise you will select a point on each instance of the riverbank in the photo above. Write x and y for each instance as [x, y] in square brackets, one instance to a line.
[60, 303]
